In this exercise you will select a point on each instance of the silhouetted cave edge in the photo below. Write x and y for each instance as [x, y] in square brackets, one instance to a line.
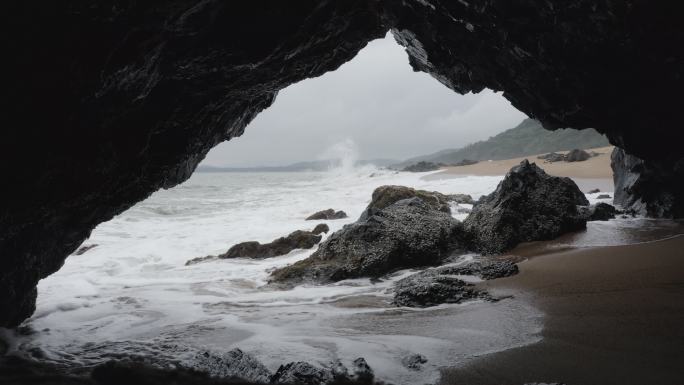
[111, 101]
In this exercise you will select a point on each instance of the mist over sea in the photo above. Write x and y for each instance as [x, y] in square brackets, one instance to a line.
[133, 295]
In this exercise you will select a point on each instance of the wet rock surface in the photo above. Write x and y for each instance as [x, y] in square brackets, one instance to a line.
[441, 285]
[299, 239]
[136, 93]
[326, 214]
[407, 233]
[84, 249]
[234, 363]
[599, 212]
[385, 196]
[414, 361]
[649, 188]
[528, 205]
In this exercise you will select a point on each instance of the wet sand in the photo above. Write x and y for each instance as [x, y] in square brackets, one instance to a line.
[613, 315]
[589, 174]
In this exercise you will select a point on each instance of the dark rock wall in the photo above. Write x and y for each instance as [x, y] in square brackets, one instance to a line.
[651, 188]
[110, 101]
[106, 102]
[612, 65]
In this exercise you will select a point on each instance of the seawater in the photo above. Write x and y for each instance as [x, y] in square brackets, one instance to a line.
[133, 294]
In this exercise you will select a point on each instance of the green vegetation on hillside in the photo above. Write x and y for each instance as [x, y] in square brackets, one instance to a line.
[528, 138]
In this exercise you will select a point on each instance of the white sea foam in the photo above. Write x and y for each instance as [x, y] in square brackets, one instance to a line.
[135, 287]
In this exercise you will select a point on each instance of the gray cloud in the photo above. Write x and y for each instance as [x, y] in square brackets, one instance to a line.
[377, 103]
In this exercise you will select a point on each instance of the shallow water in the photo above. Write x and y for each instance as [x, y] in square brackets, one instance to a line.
[132, 294]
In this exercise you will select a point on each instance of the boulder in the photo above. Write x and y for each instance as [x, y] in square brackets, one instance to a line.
[408, 233]
[385, 196]
[599, 212]
[552, 157]
[320, 228]
[414, 361]
[594, 191]
[299, 239]
[302, 373]
[528, 205]
[326, 215]
[603, 196]
[483, 269]
[234, 363]
[440, 285]
[423, 167]
[433, 287]
[577, 155]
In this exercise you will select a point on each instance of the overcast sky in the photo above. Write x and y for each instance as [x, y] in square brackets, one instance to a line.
[375, 105]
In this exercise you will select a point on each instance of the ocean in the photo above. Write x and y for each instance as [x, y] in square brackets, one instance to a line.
[133, 296]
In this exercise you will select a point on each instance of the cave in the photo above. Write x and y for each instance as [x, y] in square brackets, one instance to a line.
[107, 103]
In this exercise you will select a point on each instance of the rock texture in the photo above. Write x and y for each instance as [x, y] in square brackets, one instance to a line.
[299, 239]
[440, 285]
[407, 233]
[108, 102]
[599, 212]
[528, 205]
[385, 196]
[232, 364]
[326, 214]
[651, 188]
[577, 155]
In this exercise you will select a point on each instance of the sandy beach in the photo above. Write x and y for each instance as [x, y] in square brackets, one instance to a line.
[613, 315]
[589, 174]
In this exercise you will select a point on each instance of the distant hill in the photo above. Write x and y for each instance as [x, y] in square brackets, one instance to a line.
[528, 138]
[318, 165]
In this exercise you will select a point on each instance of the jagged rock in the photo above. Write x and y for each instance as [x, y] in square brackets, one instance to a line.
[439, 285]
[407, 233]
[460, 198]
[603, 196]
[433, 287]
[302, 373]
[326, 214]
[414, 361]
[252, 249]
[577, 155]
[594, 191]
[385, 196]
[361, 372]
[528, 205]
[320, 228]
[423, 167]
[599, 212]
[483, 269]
[296, 240]
[651, 188]
[83, 249]
[234, 363]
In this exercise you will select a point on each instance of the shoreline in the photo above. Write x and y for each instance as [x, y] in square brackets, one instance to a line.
[592, 173]
[612, 315]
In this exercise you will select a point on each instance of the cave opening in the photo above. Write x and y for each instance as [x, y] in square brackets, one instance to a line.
[420, 271]
[127, 288]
